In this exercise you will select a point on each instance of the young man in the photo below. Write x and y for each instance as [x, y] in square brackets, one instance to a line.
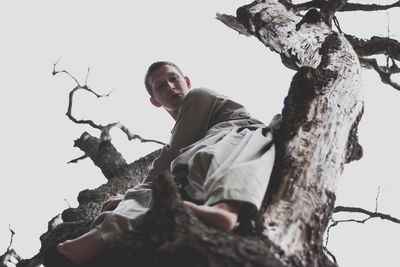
[222, 157]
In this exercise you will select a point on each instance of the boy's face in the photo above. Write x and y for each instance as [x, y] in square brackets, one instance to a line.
[169, 88]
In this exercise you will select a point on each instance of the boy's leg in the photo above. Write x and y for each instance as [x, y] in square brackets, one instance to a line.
[84, 248]
[222, 216]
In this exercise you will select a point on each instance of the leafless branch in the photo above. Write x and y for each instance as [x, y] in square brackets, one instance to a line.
[132, 136]
[377, 198]
[375, 46]
[87, 76]
[330, 254]
[384, 72]
[347, 7]
[10, 253]
[71, 96]
[371, 214]
[366, 7]
[105, 135]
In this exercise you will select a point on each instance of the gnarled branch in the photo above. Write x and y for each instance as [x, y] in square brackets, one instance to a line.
[366, 7]
[384, 72]
[375, 46]
[71, 96]
[346, 7]
[105, 130]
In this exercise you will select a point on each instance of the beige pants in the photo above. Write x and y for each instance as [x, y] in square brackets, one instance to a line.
[228, 164]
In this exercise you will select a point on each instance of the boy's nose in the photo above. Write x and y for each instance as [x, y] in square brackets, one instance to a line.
[170, 85]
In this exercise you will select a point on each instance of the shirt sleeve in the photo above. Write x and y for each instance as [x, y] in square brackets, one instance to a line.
[193, 121]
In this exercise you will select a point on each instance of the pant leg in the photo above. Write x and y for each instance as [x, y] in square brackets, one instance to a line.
[113, 224]
[231, 165]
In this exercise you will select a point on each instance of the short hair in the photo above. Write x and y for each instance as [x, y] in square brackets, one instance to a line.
[153, 67]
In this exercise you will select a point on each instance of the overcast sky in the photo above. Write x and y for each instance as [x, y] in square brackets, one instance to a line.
[118, 40]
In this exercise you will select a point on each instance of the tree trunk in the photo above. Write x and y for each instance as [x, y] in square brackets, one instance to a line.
[315, 140]
[317, 135]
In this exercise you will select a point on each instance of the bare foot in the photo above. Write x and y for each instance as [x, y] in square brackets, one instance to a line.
[222, 216]
[84, 248]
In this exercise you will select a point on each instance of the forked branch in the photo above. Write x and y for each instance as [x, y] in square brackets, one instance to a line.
[385, 72]
[105, 130]
[370, 214]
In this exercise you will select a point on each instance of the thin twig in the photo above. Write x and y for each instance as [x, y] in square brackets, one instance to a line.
[330, 254]
[12, 237]
[87, 76]
[336, 22]
[77, 159]
[377, 198]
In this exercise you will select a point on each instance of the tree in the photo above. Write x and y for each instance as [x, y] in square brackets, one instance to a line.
[316, 138]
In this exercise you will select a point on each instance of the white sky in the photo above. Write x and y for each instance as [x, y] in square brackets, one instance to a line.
[118, 41]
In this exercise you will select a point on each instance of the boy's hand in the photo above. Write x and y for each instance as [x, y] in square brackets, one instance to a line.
[112, 203]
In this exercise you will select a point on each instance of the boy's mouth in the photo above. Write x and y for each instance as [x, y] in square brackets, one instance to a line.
[175, 95]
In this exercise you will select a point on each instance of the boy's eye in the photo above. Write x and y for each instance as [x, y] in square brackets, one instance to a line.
[161, 86]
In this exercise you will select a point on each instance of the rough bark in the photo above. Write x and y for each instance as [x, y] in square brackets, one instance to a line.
[323, 104]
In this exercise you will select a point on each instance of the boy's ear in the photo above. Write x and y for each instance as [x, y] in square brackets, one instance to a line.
[154, 102]
[188, 83]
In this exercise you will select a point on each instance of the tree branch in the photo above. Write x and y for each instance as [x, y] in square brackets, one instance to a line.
[346, 7]
[384, 72]
[132, 136]
[105, 130]
[103, 154]
[375, 46]
[371, 214]
[71, 96]
[366, 7]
